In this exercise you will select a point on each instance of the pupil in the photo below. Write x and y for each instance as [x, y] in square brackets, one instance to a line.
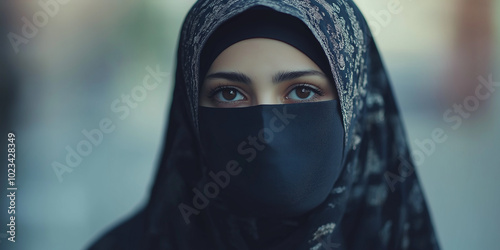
[229, 94]
[303, 93]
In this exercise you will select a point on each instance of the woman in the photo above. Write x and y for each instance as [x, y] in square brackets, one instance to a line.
[283, 134]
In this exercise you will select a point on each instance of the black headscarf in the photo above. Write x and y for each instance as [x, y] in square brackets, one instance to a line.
[376, 201]
[261, 22]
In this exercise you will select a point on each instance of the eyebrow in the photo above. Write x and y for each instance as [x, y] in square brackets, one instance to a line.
[290, 75]
[231, 76]
[278, 77]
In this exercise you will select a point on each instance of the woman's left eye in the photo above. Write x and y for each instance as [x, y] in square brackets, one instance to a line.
[301, 93]
[228, 95]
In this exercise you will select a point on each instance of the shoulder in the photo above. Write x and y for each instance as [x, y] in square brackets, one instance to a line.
[128, 234]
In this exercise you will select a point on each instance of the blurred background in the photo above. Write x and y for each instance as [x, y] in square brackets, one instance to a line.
[61, 74]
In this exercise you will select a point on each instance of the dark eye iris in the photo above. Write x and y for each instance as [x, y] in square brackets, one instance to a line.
[229, 94]
[303, 92]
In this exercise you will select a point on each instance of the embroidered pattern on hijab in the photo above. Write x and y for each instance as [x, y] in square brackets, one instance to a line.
[376, 202]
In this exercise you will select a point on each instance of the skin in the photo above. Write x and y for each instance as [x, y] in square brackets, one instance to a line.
[263, 71]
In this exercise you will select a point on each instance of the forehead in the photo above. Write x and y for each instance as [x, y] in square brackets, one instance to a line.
[262, 54]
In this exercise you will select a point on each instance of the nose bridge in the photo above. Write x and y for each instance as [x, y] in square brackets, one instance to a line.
[265, 93]
[267, 99]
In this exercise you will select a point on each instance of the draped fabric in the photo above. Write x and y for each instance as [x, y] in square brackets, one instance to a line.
[376, 202]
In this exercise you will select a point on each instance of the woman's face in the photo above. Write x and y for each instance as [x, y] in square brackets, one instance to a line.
[263, 71]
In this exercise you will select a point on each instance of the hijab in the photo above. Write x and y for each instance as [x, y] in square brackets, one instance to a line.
[375, 200]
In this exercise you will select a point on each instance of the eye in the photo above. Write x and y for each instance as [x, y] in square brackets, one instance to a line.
[302, 93]
[227, 94]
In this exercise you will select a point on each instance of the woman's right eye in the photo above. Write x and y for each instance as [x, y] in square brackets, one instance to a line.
[228, 95]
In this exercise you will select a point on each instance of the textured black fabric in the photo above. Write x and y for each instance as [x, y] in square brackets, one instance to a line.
[376, 201]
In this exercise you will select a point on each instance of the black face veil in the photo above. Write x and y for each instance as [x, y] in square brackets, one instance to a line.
[374, 200]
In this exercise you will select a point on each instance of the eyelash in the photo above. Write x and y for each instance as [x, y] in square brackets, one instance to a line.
[221, 86]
